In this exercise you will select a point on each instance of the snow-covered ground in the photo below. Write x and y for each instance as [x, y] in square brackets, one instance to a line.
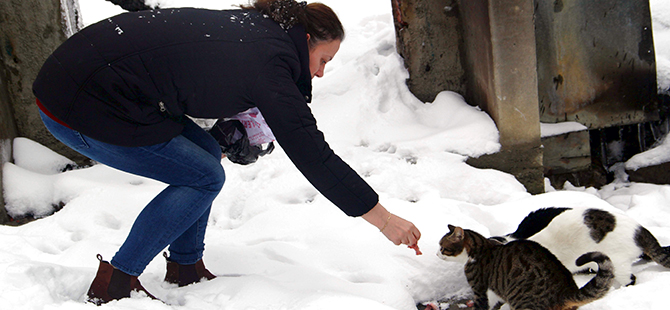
[273, 241]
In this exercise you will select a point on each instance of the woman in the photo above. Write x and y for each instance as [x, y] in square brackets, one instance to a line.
[119, 92]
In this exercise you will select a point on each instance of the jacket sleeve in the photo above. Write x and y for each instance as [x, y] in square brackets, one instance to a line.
[286, 112]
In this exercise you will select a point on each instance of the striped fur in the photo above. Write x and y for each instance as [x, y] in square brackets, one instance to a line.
[522, 273]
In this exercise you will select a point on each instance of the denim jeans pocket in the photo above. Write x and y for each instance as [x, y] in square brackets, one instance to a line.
[69, 137]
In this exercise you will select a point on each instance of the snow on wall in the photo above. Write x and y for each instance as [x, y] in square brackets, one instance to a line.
[70, 13]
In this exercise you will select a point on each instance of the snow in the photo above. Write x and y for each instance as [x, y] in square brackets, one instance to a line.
[273, 241]
[660, 14]
[37, 158]
[555, 129]
[70, 13]
[655, 156]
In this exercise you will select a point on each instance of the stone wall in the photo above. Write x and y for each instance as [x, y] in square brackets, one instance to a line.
[29, 31]
[429, 38]
[7, 130]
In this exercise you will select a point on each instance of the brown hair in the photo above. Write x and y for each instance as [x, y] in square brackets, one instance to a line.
[319, 20]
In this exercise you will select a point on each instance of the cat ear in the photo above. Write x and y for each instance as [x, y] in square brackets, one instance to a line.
[458, 233]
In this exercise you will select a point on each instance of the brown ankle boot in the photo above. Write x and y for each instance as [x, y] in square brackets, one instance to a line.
[113, 284]
[183, 275]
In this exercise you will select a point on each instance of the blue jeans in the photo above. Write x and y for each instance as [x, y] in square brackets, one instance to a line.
[191, 166]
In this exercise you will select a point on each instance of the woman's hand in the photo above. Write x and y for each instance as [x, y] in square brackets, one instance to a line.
[395, 228]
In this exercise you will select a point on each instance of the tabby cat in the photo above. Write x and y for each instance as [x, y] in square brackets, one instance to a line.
[522, 273]
[570, 232]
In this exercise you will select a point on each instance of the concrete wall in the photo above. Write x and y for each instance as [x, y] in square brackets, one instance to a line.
[29, 31]
[7, 130]
[429, 38]
[501, 66]
[485, 50]
[502, 80]
[531, 61]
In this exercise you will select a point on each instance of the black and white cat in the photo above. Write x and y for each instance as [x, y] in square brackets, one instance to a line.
[570, 232]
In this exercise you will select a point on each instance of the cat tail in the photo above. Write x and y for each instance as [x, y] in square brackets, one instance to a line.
[601, 283]
[650, 247]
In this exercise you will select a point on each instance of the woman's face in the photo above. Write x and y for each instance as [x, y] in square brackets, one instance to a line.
[321, 54]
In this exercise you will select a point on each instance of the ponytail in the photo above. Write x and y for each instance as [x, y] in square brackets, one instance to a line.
[319, 20]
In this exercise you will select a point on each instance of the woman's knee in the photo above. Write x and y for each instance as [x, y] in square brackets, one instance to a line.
[221, 177]
[215, 179]
[216, 152]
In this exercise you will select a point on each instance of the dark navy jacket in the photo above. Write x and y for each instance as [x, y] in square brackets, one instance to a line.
[130, 79]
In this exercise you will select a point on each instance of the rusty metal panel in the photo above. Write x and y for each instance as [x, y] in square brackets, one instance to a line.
[596, 62]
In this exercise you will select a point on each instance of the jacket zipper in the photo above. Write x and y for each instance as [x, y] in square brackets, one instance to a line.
[161, 107]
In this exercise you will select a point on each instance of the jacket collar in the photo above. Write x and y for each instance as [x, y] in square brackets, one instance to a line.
[299, 37]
